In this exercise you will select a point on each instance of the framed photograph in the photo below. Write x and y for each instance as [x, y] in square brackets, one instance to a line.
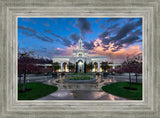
[106, 52]
[79, 59]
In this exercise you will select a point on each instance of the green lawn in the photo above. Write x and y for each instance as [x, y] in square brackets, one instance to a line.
[118, 90]
[37, 90]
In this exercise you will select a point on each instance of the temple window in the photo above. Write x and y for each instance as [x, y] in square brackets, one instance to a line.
[80, 55]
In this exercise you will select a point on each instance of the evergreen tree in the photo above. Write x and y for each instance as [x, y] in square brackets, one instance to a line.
[71, 66]
[85, 67]
[76, 67]
[90, 66]
[104, 66]
[56, 66]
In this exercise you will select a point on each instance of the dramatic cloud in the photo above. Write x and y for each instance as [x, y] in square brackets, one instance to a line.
[127, 41]
[138, 32]
[28, 34]
[95, 48]
[84, 25]
[29, 31]
[111, 37]
[126, 29]
[44, 38]
[74, 37]
[103, 35]
[111, 24]
[114, 56]
[64, 40]
[124, 36]
[88, 45]
[113, 28]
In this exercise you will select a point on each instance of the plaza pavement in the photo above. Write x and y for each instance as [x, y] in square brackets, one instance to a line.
[81, 91]
[81, 95]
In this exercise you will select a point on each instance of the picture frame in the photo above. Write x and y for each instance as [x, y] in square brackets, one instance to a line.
[148, 10]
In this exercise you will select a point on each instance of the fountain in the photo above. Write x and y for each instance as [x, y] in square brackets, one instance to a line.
[95, 83]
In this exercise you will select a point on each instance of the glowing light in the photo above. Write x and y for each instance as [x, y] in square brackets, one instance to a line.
[80, 63]
[100, 69]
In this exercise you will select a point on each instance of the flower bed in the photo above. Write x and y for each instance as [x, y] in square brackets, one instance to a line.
[90, 73]
[80, 78]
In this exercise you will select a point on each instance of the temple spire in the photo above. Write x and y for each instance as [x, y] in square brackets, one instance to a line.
[80, 35]
[80, 42]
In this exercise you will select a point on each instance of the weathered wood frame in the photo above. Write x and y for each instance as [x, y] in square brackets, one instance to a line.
[149, 10]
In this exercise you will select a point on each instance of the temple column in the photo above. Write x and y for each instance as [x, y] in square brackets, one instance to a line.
[98, 66]
[66, 69]
[100, 69]
[61, 66]
[113, 67]
[94, 68]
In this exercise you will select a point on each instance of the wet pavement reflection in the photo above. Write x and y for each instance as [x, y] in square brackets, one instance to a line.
[81, 95]
[81, 91]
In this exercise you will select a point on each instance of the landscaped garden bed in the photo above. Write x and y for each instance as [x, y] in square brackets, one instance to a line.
[80, 79]
[90, 73]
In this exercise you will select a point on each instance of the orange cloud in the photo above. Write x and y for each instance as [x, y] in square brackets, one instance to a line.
[117, 56]
[69, 50]
[58, 48]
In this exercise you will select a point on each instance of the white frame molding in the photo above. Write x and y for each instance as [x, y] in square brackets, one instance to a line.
[149, 10]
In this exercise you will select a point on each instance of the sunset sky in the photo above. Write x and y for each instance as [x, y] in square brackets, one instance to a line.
[112, 37]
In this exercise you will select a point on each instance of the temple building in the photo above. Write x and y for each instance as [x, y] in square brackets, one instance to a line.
[79, 57]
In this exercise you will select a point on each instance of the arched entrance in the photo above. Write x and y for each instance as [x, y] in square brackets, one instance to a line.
[64, 67]
[80, 66]
[95, 67]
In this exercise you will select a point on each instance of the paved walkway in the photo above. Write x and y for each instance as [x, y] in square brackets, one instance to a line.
[81, 95]
[83, 91]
